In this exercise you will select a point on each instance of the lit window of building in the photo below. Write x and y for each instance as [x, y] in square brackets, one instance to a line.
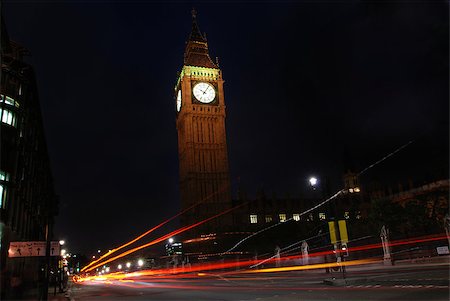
[358, 215]
[8, 117]
[346, 215]
[282, 217]
[296, 217]
[268, 218]
[8, 100]
[253, 218]
[310, 217]
[322, 216]
[4, 177]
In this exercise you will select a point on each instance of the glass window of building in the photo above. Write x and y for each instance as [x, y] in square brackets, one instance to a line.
[358, 215]
[282, 217]
[296, 217]
[268, 218]
[8, 100]
[4, 177]
[310, 217]
[346, 215]
[8, 117]
[253, 218]
[322, 216]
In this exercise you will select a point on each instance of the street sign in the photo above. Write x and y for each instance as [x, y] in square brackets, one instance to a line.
[26, 248]
[442, 250]
[32, 248]
[55, 248]
[343, 231]
[333, 236]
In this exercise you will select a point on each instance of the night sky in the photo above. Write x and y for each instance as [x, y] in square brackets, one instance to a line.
[310, 88]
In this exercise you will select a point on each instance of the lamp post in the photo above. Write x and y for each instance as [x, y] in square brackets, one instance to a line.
[315, 184]
[61, 266]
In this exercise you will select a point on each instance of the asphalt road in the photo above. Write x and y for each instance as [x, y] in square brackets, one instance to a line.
[411, 281]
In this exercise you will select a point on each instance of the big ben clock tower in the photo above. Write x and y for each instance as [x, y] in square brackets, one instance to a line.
[202, 144]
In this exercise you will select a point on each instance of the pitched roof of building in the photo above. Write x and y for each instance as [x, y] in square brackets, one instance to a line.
[196, 53]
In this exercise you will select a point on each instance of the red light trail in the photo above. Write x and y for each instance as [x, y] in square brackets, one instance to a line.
[162, 238]
[198, 270]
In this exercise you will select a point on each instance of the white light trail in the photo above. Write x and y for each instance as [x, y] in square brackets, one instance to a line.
[324, 202]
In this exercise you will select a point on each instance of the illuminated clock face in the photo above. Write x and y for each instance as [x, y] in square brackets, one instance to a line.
[179, 101]
[204, 92]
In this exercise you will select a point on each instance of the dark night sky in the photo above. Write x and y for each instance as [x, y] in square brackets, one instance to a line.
[307, 84]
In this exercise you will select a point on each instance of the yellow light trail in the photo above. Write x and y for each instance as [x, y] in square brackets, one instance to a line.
[313, 266]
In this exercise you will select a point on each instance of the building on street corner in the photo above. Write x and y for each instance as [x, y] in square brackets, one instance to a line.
[27, 198]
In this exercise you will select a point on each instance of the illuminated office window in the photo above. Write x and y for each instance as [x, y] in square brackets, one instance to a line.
[296, 217]
[322, 216]
[253, 218]
[268, 218]
[346, 215]
[282, 217]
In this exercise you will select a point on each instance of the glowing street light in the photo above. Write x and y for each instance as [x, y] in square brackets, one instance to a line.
[170, 240]
[313, 182]
[98, 251]
[128, 264]
[140, 262]
[63, 252]
[119, 266]
[62, 242]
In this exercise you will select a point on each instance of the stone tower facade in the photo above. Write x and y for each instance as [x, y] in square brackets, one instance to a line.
[202, 143]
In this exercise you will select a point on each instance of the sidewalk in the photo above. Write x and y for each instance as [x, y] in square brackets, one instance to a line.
[337, 280]
[33, 294]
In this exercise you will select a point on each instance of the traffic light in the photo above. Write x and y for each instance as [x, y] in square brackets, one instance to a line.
[344, 250]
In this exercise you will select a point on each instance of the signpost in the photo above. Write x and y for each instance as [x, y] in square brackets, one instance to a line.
[339, 238]
[32, 249]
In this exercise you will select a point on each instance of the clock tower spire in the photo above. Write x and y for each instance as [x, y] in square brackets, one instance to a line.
[202, 144]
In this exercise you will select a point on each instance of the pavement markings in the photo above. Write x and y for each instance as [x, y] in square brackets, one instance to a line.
[398, 286]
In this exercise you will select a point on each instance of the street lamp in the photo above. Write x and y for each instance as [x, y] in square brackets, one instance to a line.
[62, 242]
[140, 262]
[128, 264]
[313, 182]
[170, 240]
[119, 266]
